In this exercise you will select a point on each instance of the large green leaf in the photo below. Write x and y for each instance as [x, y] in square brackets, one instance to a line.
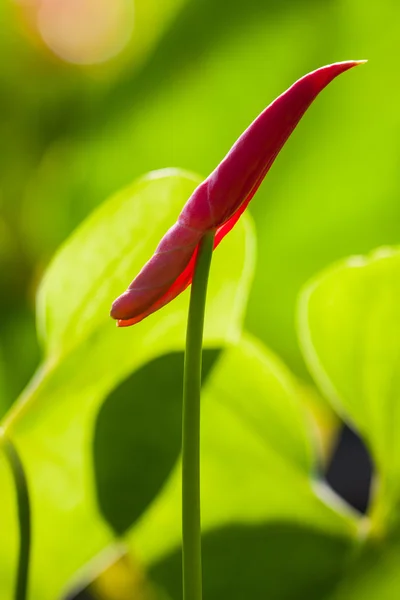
[257, 484]
[279, 560]
[349, 330]
[137, 437]
[87, 356]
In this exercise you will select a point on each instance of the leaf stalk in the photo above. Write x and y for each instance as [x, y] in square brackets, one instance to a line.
[24, 515]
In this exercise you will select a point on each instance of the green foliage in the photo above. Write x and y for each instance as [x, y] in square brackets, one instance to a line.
[100, 420]
[350, 327]
[197, 94]
[375, 574]
[87, 356]
[256, 460]
[144, 449]
[253, 561]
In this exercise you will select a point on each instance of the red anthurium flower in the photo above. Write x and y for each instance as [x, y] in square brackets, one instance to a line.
[218, 202]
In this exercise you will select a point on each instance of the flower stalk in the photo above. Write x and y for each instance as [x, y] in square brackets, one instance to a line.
[191, 514]
[24, 516]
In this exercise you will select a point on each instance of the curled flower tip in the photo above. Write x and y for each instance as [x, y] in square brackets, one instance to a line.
[218, 202]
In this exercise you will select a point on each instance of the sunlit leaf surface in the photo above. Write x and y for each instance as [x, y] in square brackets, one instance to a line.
[350, 329]
[86, 357]
[191, 78]
[256, 477]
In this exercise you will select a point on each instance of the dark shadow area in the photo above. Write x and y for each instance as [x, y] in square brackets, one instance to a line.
[137, 437]
[280, 561]
[350, 470]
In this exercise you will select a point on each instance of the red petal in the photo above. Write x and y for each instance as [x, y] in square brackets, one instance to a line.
[163, 277]
[183, 280]
[220, 200]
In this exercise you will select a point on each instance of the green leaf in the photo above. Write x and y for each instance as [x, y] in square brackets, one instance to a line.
[375, 573]
[87, 356]
[279, 560]
[257, 464]
[109, 247]
[349, 327]
[137, 437]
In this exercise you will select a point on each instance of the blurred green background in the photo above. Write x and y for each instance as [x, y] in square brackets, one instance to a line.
[190, 76]
[93, 94]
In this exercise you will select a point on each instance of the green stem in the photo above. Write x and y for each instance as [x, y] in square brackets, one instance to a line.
[24, 516]
[191, 525]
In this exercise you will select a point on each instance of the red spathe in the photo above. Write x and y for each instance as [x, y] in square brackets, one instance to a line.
[218, 202]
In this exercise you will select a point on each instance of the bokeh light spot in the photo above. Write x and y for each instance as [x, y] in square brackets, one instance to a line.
[85, 31]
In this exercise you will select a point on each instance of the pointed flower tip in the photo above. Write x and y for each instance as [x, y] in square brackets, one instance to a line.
[218, 202]
[353, 62]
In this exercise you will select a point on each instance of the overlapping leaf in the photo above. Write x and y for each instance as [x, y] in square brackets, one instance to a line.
[375, 574]
[350, 332]
[86, 356]
[257, 485]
